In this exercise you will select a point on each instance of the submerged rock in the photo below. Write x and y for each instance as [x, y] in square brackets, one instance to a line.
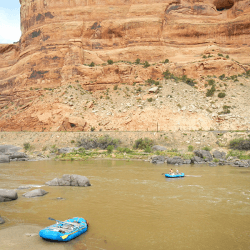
[35, 193]
[8, 195]
[70, 180]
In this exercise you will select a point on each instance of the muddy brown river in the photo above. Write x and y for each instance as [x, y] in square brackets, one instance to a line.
[131, 205]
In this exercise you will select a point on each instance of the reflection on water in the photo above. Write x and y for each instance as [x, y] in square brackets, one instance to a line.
[131, 205]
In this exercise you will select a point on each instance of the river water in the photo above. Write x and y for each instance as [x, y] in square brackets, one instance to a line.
[131, 205]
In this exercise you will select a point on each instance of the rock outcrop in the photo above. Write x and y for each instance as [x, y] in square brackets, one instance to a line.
[71, 41]
[10, 153]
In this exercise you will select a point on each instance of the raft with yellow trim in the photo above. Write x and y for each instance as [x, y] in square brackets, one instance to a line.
[65, 230]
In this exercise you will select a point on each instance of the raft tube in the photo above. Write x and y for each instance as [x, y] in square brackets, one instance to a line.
[174, 175]
[65, 230]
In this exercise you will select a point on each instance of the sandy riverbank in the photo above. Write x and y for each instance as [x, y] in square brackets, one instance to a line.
[25, 237]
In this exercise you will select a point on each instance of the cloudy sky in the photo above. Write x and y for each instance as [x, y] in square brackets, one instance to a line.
[9, 21]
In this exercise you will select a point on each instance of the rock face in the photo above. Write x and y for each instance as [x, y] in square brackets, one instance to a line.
[8, 195]
[70, 180]
[60, 39]
[35, 193]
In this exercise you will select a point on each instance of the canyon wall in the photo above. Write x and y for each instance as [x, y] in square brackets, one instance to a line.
[60, 38]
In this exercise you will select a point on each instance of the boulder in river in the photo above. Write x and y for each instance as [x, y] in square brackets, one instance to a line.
[35, 193]
[70, 180]
[8, 195]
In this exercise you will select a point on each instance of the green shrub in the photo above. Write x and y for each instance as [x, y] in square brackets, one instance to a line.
[92, 64]
[143, 143]
[240, 144]
[110, 149]
[146, 64]
[137, 61]
[53, 149]
[207, 148]
[221, 95]
[147, 149]
[151, 81]
[92, 129]
[27, 146]
[150, 99]
[211, 82]
[221, 77]
[216, 160]
[210, 92]
[239, 154]
[166, 61]
[124, 150]
[110, 62]
[115, 87]
[190, 148]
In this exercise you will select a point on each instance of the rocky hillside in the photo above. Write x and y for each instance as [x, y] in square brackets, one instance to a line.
[163, 105]
[83, 65]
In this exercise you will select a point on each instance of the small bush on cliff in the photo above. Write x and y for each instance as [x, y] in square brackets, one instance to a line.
[92, 64]
[190, 148]
[146, 64]
[211, 82]
[221, 95]
[110, 62]
[143, 143]
[240, 144]
[221, 77]
[27, 146]
[166, 61]
[207, 148]
[210, 92]
[137, 61]
[151, 81]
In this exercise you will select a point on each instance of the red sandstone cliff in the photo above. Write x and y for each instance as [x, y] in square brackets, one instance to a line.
[61, 38]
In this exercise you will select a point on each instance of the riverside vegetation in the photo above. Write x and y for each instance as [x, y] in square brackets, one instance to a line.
[107, 147]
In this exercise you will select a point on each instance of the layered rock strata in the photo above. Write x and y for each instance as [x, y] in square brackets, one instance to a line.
[61, 38]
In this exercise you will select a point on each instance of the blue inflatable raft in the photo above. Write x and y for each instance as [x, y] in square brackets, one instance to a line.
[65, 230]
[174, 175]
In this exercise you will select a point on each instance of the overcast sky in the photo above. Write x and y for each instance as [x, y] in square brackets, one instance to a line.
[9, 21]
